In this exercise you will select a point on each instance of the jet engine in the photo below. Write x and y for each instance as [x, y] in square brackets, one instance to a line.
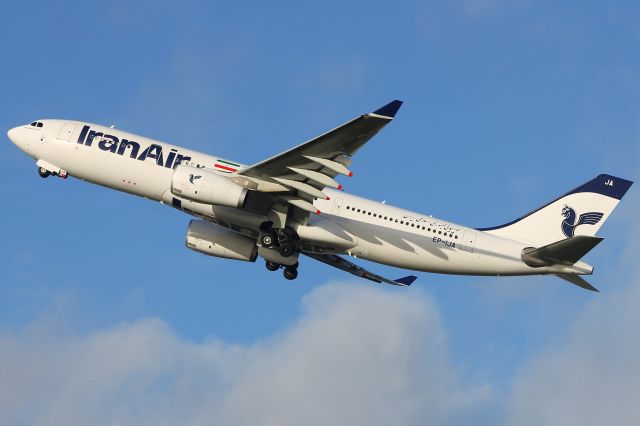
[213, 240]
[203, 186]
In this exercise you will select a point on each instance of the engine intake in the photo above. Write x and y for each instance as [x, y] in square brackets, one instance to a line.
[206, 187]
[213, 240]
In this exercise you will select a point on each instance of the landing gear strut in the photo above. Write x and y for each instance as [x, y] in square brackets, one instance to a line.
[284, 239]
[44, 173]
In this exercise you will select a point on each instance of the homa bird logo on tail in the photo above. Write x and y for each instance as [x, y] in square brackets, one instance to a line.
[569, 223]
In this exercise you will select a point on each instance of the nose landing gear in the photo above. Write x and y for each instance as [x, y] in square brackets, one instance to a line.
[44, 173]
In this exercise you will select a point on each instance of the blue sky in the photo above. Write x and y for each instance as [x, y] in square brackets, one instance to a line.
[507, 104]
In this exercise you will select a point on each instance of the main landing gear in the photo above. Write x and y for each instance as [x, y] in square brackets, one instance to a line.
[284, 239]
[272, 266]
[286, 242]
[290, 272]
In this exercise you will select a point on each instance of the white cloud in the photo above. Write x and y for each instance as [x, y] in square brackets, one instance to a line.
[592, 376]
[357, 355]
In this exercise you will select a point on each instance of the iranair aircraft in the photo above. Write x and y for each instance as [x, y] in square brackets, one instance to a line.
[291, 205]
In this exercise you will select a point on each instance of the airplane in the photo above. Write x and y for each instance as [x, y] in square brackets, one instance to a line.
[291, 205]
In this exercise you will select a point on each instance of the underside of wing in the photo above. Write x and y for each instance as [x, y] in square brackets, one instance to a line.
[350, 267]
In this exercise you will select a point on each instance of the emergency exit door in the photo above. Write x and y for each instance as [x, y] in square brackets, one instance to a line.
[468, 241]
[66, 131]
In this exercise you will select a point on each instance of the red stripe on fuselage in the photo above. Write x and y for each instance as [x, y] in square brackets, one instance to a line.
[225, 168]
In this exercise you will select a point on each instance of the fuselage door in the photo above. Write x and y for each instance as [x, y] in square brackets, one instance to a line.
[66, 131]
[337, 205]
[468, 241]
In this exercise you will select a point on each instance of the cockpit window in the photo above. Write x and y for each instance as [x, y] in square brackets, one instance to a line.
[38, 124]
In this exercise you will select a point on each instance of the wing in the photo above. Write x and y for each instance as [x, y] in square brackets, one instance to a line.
[341, 263]
[301, 173]
[590, 218]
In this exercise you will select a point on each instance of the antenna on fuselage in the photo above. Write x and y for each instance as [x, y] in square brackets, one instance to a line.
[112, 126]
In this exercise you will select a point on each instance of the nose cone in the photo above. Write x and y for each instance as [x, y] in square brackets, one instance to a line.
[21, 137]
[13, 134]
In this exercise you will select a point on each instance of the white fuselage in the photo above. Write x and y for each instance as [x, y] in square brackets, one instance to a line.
[348, 224]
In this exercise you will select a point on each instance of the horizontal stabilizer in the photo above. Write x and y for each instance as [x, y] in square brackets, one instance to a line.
[577, 280]
[563, 252]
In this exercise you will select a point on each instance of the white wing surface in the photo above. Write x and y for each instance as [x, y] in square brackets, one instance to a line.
[299, 175]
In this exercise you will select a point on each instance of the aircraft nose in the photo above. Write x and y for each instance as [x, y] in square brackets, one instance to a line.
[20, 137]
[13, 134]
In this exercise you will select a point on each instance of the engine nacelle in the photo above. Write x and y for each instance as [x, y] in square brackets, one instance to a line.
[206, 187]
[213, 240]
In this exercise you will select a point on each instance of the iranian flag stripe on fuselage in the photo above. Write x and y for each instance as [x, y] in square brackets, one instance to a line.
[226, 167]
